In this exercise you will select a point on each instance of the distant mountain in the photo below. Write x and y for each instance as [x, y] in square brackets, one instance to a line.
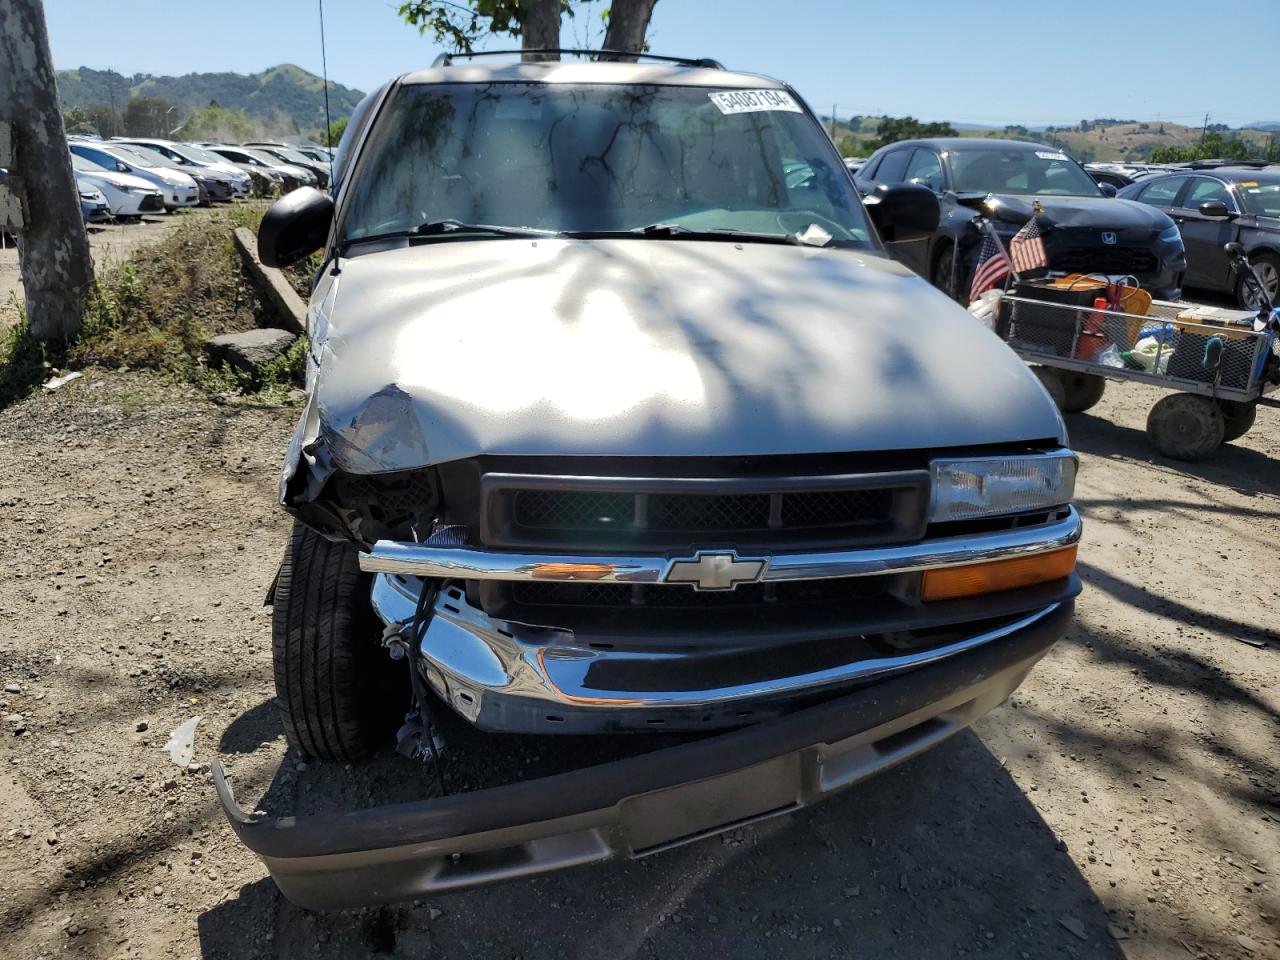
[1273, 125]
[280, 92]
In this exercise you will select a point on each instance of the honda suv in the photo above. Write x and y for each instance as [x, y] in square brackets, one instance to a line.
[619, 420]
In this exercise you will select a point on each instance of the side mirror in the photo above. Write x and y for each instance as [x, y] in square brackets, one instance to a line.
[1214, 209]
[296, 225]
[1108, 189]
[903, 212]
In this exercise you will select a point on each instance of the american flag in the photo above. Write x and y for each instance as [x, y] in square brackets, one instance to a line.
[993, 266]
[1027, 248]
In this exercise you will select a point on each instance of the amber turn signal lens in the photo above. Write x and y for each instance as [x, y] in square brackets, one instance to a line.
[951, 582]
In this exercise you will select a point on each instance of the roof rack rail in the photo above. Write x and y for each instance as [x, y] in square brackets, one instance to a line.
[446, 59]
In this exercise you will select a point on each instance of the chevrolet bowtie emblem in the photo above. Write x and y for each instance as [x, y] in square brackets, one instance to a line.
[715, 571]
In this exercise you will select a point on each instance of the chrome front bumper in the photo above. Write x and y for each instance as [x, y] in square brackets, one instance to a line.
[425, 560]
[508, 676]
[639, 805]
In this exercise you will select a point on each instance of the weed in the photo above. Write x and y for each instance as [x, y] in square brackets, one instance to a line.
[25, 362]
[155, 312]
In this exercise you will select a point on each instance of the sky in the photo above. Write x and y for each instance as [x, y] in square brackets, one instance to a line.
[990, 61]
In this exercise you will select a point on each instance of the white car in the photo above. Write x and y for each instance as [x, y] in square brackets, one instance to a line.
[93, 205]
[222, 180]
[126, 196]
[176, 187]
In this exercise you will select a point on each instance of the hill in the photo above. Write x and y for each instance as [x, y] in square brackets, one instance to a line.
[284, 91]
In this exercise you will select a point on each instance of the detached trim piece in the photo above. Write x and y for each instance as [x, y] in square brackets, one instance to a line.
[422, 560]
[637, 806]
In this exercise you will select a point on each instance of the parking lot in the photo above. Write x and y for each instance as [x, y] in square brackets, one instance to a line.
[1126, 802]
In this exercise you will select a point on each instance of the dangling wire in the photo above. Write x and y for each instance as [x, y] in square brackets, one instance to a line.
[324, 69]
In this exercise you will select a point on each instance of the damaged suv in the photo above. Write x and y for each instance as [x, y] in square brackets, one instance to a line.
[619, 419]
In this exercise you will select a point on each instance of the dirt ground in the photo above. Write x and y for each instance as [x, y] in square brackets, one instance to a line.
[110, 243]
[1124, 803]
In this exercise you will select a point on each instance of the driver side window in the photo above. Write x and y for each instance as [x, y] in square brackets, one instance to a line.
[1203, 189]
[926, 167]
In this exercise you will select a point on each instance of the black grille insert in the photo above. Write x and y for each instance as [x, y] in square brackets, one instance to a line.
[584, 513]
[672, 596]
[1100, 259]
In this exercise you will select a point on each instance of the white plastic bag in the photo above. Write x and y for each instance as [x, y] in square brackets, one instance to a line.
[1145, 352]
[987, 307]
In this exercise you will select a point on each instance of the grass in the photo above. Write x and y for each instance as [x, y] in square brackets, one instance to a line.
[156, 310]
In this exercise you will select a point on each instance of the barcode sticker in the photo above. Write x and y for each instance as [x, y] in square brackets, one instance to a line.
[754, 101]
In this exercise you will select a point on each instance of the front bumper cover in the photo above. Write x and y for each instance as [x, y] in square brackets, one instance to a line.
[640, 805]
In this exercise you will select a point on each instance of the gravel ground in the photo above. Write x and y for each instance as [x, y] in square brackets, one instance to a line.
[1124, 803]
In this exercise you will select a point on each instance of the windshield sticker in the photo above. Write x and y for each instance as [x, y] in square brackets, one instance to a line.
[1249, 183]
[754, 101]
[1050, 155]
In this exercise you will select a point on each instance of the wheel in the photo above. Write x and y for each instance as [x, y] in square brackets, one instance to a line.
[1051, 380]
[942, 275]
[341, 696]
[1267, 267]
[1186, 426]
[1237, 418]
[1081, 390]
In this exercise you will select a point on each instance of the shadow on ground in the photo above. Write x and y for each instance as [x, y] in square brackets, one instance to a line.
[938, 857]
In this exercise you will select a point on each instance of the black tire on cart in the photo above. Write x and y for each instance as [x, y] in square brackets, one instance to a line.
[1052, 381]
[341, 696]
[1237, 418]
[1081, 390]
[1186, 426]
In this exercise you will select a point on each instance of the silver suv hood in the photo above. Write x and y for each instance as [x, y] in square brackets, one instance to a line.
[448, 350]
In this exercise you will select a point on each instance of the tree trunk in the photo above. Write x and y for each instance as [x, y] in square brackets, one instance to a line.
[540, 28]
[628, 22]
[53, 248]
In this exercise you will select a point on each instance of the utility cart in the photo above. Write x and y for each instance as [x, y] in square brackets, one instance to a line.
[1220, 363]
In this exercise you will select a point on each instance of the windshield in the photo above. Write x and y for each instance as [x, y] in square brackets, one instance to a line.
[261, 156]
[85, 166]
[602, 159]
[142, 157]
[291, 156]
[199, 154]
[1261, 199]
[1037, 173]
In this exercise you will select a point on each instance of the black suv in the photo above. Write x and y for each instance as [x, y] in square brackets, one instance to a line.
[1089, 231]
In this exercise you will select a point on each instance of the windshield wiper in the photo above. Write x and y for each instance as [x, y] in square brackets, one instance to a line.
[436, 228]
[664, 231]
[440, 228]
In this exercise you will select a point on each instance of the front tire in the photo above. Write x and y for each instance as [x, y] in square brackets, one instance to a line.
[340, 694]
[942, 274]
[1267, 268]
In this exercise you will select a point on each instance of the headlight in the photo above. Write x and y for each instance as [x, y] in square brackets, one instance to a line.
[1170, 234]
[972, 489]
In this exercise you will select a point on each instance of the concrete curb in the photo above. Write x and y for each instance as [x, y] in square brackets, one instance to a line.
[272, 283]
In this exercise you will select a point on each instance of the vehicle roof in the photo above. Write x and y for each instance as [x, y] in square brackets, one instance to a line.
[972, 143]
[575, 72]
[1229, 174]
